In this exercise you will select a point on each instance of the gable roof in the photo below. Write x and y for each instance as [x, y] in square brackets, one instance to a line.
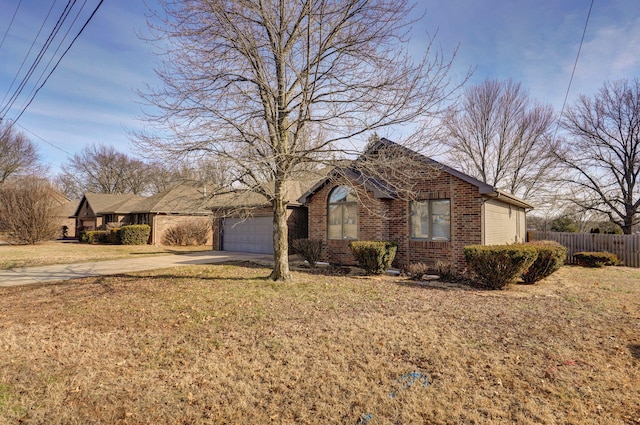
[185, 198]
[383, 190]
[107, 203]
[250, 199]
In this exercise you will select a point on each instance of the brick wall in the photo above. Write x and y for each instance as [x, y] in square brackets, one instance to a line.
[372, 222]
[163, 222]
[382, 219]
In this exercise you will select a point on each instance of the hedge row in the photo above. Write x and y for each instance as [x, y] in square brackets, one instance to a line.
[496, 266]
[136, 234]
[595, 259]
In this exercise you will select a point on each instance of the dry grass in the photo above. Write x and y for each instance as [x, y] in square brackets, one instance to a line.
[220, 344]
[64, 252]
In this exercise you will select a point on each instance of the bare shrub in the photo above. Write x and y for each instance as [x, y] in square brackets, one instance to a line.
[416, 271]
[310, 249]
[28, 211]
[187, 233]
[446, 271]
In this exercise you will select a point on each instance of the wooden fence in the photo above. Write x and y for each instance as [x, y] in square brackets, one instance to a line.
[626, 247]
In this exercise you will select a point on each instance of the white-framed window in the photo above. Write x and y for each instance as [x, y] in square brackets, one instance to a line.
[431, 220]
[342, 214]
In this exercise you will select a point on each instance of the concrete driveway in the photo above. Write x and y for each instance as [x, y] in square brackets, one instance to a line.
[30, 275]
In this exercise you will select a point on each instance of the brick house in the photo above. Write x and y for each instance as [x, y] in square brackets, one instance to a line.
[243, 220]
[443, 210]
[180, 204]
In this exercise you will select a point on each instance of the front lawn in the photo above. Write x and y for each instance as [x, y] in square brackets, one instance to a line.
[222, 344]
[65, 252]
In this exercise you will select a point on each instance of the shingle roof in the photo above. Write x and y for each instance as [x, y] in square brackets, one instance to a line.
[383, 190]
[236, 199]
[246, 198]
[103, 203]
[185, 198]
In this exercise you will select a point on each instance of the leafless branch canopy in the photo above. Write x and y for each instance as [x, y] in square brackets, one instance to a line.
[17, 153]
[502, 137]
[602, 155]
[273, 84]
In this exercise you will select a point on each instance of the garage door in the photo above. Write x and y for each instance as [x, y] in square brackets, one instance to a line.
[251, 235]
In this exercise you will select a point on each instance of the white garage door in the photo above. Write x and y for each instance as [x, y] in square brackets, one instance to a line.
[251, 235]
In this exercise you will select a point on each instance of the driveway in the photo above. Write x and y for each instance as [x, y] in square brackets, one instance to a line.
[30, 275]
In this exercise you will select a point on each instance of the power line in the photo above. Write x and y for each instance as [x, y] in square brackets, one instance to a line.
[15, 12]
[60, 59]
[575, 64]
[47, 142]
[36, 62]
[15, 77]
[66, 34]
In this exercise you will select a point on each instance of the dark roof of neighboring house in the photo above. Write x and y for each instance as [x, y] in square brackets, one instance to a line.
[385, 191]
[250, 199]
[185, 198]
[103, 203]
[68, 208]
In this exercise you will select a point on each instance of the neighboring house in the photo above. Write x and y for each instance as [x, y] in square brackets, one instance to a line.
[243, 221]
[182, 203]
[66, 214]
[443, 211]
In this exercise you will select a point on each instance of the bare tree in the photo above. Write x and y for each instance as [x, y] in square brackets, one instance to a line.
[502, 137]
[602, 154]
[271, 85]
[29, 210]
[17, 153]
[102, 169]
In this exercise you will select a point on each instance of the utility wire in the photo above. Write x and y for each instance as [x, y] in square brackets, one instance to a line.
[29, 52]
[66, 34]
[36, 62]
[575, 65]
[60, 59]
[47, 142]
[15, 12]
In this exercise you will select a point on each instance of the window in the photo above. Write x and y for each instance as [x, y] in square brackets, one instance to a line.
[431, 220]
[342, 214]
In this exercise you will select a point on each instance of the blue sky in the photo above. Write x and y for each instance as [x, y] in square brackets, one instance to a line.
[91, 97]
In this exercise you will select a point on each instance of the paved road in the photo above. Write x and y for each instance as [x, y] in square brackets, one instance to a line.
[29, 275]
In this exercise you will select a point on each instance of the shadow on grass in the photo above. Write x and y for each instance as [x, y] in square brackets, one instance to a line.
[635, 351]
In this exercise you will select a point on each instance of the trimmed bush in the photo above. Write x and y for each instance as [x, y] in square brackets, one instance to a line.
[551, 256]
[93, 236]
[186, 234]
[310, 249]
[135, 234]
[496, 266]
[375, 257]
[595, 259]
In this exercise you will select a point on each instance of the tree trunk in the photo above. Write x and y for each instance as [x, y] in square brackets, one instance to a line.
[280, 240]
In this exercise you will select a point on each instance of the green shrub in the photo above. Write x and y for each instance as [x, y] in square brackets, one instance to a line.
[93, 236]
[310, 249]
[187, 233]
[551, 256]
[136, 234]
[496, 266]
[595, 259]
[375, 257]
